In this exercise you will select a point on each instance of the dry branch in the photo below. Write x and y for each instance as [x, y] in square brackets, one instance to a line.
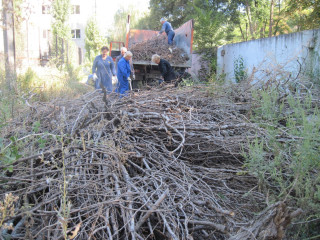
[161, 165]
[143, 51]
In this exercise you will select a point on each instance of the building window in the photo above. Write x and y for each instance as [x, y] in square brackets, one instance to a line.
[75, 9]
[45, 9]
[46, 33]
[75, 33]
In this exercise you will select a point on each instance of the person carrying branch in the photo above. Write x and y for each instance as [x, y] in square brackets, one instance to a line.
[167, 28]
[165, 68]
[103, 70]
[123, 75]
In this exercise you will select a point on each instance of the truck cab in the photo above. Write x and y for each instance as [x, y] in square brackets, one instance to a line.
[115, 49]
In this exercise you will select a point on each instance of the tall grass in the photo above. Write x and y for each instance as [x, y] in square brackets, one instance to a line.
[287, 160]
[39, 84]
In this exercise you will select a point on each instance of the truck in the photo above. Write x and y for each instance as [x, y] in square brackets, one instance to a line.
[115, 49]
[147, 71]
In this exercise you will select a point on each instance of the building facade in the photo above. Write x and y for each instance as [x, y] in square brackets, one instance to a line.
[34, 41]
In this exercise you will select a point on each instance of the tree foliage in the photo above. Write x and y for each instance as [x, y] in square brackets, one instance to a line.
[138, 19]
[209, 28]
[61, 32]
[93, 41]
[60, 13]
[304, 13]
[176, 11]
[224, 21]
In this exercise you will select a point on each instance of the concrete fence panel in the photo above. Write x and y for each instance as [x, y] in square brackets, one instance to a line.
[292, 53]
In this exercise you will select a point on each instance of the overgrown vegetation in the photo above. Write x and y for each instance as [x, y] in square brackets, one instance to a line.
[286, 158]
[240, 72]
[42, 84]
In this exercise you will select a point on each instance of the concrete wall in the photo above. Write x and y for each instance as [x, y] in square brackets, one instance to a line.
[265, 56]
[200, 68]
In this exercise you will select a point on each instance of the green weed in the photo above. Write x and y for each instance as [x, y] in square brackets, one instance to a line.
[9, 155]
[240, 72]
[287, 158]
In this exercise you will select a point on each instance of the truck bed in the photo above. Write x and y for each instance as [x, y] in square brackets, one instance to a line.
[185, 65]
[183, 39]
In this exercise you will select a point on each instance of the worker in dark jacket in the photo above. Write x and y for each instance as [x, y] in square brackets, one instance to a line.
[165, 68]
[123, 50]
[166, 27]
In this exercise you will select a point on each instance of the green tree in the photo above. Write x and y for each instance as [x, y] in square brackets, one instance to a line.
[60, 13]
[176, 11]
[60, 28]
[240, 20]
[118, 32]
[210, 27]
[252, 17]
[304, 14]
[93, 40]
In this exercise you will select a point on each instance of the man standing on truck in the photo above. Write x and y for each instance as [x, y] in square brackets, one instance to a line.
[123, 50]
[165, 68]
[166, 27]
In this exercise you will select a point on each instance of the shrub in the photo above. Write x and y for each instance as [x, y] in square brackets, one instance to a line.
[287, 157]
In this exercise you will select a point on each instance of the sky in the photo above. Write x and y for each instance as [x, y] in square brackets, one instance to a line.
[107, 8]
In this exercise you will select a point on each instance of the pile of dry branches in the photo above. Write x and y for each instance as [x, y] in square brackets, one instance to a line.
[143, 51]
[164, 164]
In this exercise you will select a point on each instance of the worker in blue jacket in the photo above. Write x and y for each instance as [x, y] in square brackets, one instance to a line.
[123, 74]
[103, 70]
[166, 27]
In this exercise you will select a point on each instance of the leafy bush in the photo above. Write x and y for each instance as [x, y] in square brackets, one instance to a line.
[240, 73]
[287, 158]
[28, 80]
[74, 73]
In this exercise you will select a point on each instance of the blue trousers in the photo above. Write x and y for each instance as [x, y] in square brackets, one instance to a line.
[123, 87]
[170, 37]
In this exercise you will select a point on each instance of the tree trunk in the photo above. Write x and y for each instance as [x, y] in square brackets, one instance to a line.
[28, 53]
[67, 50]
[276, 27]
[62, 51]
[263, 28]
[248, 10]
[246, 31]
[271, 18]
[56, 46]
[242, 34]
[261, 32]
[9, 43]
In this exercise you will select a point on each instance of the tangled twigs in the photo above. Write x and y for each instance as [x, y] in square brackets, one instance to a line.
[159, 165]
[270, 224]
[143, 51]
